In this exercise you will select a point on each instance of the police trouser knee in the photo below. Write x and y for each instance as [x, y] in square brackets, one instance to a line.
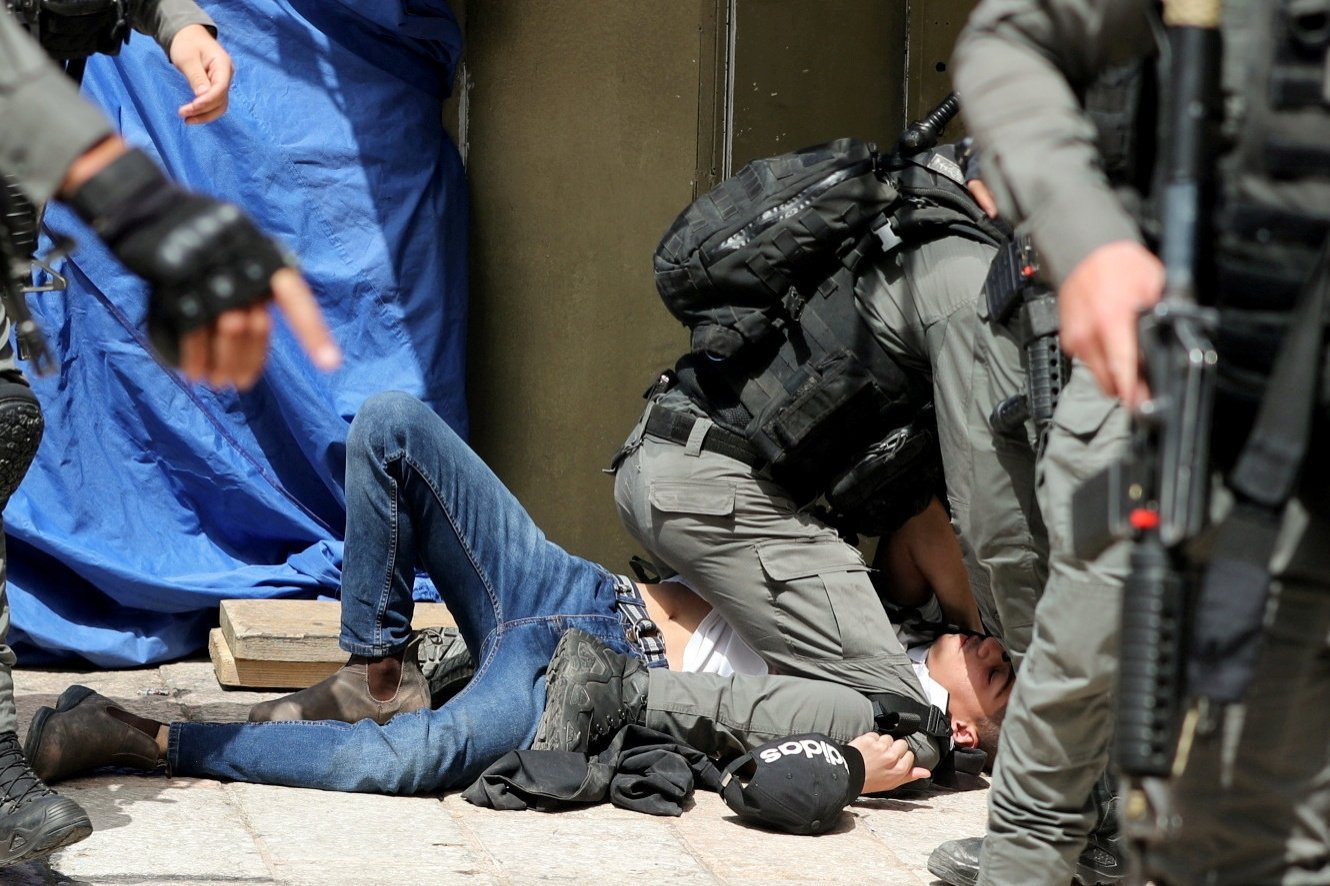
[1055, 741]
[21, 426]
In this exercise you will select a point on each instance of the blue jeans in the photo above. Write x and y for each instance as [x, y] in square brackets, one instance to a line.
[417, 492]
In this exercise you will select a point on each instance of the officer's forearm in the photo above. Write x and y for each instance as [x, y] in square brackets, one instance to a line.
[91, 162]
[44, 124]
[163, 19]
[1015, 63]
[921, 560]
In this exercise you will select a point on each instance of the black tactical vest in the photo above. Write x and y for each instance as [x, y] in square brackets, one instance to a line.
[70, 30]
[781, 355]
[1272, 197]
[1271, 204]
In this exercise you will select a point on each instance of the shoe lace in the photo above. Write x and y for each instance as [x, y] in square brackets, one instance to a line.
[17, 779]
[432, 645]
[442, 654]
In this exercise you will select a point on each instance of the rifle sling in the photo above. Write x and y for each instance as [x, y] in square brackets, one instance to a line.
[1230, 607]
[900, 716]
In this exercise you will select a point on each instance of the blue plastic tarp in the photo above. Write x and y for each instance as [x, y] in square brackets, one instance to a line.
[150, 499]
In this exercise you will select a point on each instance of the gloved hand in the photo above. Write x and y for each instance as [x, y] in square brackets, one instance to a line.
[203, 258]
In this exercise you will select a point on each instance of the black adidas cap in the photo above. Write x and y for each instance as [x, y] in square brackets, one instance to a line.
[798, 784]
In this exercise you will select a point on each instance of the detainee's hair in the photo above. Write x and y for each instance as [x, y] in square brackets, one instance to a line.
[989, 730]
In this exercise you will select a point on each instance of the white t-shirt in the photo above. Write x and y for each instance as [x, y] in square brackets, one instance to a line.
[716, 648]
[917, 646]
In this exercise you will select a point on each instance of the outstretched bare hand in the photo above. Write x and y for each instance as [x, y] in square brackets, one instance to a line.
[206, 65]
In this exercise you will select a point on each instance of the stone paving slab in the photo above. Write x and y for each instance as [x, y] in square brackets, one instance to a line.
[736, 853]
[305, 836]
[593, 846]
[148, 826]
[155, 831]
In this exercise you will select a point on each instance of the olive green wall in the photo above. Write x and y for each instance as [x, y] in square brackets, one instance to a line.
[589, 124]
[805, 72]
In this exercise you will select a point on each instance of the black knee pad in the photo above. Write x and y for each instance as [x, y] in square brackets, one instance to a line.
[21, 425]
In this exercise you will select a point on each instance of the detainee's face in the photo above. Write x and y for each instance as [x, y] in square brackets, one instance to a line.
[976, 673]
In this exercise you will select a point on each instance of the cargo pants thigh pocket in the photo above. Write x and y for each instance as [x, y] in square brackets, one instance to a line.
[1090, 428]
[686, 520]
[692, 497]
[825, 604]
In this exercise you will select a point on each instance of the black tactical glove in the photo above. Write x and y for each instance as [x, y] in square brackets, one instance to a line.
[201, 256]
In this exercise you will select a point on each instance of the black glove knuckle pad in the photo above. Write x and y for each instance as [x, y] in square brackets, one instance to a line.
[202, 257]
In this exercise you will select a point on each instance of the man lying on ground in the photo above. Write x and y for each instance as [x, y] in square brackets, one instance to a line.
[415, 492]
[921, 577]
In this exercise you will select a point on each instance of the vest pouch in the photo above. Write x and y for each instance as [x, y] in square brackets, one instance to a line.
[893, 481]
[1276, 66]
[74, 29]
[1300, 39]
[1308, 24]
[1113, 103]
[832, 414]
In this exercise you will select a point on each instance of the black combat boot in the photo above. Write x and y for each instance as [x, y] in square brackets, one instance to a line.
[34, 820]
[590, 692]
[1103, 861]
[957, 861]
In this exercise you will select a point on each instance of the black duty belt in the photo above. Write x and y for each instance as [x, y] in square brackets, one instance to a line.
[677, 427]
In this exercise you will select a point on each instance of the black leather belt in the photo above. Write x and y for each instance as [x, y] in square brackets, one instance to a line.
[638, 627]
[677, 427]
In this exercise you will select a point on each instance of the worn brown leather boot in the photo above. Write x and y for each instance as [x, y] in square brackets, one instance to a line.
[80, 735]
[345, 696]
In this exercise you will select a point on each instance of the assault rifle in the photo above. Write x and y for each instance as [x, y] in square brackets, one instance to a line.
[1013, 284]
[1159, 497]
[18, 246]
[923, 134]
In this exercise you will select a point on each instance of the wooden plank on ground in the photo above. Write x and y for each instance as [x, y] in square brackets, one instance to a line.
[243, 673]
[223, 662]
[299, 630]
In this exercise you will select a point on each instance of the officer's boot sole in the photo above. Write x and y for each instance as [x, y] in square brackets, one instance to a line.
[587, 694]
[40, 828]
[566, 702]
[21, 426]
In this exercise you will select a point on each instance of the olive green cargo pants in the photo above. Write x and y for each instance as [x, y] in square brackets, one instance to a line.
[1255, 797]
[1056, 732]
[8, 714]
[728, 716]
[796, 593]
